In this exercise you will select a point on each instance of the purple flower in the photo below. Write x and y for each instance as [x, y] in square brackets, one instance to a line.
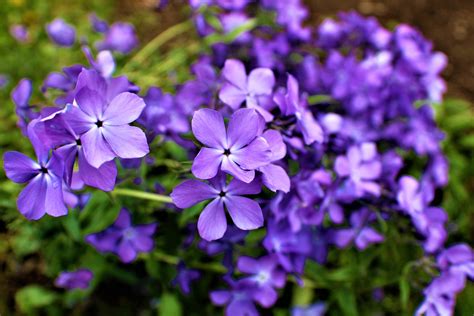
[457, 259]
[266, 275]
[21, 95]
[255, 89]
[239, 150]
[232, 21]
[212, 224]
[100, 26]
[124, 239]
[79, 279]
[3, 81]
[274, 176]
[184, 278]
[20, 33]
[103, 125]
[316, 309]
[119, 37]
[61, 33]
[290, 104]
[233, 4]
[361, 234]
[44, 191]
[239, 299]
[362, 167]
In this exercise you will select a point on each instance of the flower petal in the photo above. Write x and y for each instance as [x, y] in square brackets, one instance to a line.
[232, 168]
[243, 128]
[275, 141]
[126, 141]
[207, 162]
[191, 192]
[102, 178]
[231, 95]
[208, 127]
[91, 102]
[253, 156]
[245, 213]
[212, 223]
[123, 109]
[19, 168]
[275, 178]
[96, 149]
[54, 201]
[261, 81]
[234, 72]
[32, 199]
[237, 187]
[126, 251]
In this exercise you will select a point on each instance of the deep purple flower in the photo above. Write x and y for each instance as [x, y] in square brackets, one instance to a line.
[79, 279]
[239, 299]
[291, 104]
[212, 224]
[255, 89]
[266, 275]
[20, 33]
[44, 191]
[103, 125]
[316, 309]
[61, 33]
[119, 37]
[360, 233]
[239, 150]
[98, 25]
[362, 168]
[185, 276]
[123, 238]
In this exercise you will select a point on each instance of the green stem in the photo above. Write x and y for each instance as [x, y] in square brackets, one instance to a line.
[158, 41]
[143, 195]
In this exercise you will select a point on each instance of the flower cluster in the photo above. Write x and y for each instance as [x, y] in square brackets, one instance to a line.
[317, 135]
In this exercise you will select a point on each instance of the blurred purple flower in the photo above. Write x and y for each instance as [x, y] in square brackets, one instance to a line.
[79, 279]
[61, 33]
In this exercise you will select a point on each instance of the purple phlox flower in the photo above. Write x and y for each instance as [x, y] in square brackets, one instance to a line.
[290, 103]
[330, 34]
[103, 123]
[98, 25]
[291, 248]
[362, 167]
[239, 150]
[79, 279]
[55, 133]
[43, 194]
[274, 176]
[184, 278]
[458, 259]
[212, 224]
[104, 64]
[255, 89]
[440, 295]
[361, 234]
[316, 309]
[271, 53]
[309, 74]
[161, 116]
[438, 169]
[206, 76]
[233, 4]
[20, 33]
[119, 37]
[191, 95]
[232, 237]
[65, 81]
[21, 95]
[266, 275]
[123, 238]
[332, 123]
[61, 33]
[238, 299]
[392, 163]
[414, 199]
[291, 14]
[233, 20]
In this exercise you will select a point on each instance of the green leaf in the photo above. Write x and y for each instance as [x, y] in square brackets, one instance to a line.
[169, 305]
[347, 302]
[99, 213]
[33, 297]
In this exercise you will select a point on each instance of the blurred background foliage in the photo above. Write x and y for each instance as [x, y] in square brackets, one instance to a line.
[32, 254]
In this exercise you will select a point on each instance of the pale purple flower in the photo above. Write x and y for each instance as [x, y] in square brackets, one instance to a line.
[212, 224]
[79, 279]
[291, 104]
[255, 89]
[457, 259]
[238, 300]
[239, 150]
[316, 309]
[20, 33]
[362, 167]
[233, 20]
[61, 33]
[274, 176]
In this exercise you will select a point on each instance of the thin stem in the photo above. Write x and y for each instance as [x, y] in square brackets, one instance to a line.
[143, 195]
[158, 41]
